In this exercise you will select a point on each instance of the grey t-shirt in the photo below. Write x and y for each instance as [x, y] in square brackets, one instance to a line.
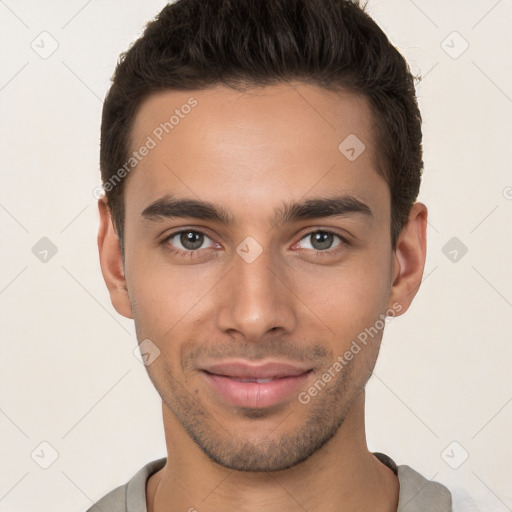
[417, 494]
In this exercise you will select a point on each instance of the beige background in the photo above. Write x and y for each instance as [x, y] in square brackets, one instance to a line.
[442, 386]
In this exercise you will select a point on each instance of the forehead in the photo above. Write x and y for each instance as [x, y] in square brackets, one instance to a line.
[253, 149]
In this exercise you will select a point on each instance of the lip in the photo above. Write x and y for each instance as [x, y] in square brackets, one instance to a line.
[267, 370]
[225, 379]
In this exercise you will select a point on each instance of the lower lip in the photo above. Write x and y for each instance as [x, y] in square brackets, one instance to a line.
[255, 394]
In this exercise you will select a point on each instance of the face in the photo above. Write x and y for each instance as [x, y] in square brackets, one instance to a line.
[255, 304]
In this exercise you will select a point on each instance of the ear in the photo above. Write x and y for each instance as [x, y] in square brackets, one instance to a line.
[409, 259]
[111, 261]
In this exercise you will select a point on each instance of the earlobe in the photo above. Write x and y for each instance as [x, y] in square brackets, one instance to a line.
[111, 261]
[409, 258]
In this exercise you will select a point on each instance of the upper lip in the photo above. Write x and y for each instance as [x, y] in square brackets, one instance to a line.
[268, 370]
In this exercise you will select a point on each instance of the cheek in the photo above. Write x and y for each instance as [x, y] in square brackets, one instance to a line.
[349, 298]
[341, 300]
[167, 299]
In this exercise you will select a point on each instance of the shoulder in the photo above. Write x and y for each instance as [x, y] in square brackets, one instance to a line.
[114, 501]
[417, 494]
[131, 495]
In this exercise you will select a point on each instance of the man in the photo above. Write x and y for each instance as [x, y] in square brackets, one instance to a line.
[261, 162]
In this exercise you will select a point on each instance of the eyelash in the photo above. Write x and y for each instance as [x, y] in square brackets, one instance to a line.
[190, 254]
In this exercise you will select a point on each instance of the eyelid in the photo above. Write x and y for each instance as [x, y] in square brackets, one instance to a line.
[331, 230]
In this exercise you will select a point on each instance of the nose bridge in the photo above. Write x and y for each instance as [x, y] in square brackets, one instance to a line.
[255, 299]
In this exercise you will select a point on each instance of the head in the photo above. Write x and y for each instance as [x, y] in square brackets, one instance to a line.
[231, 134]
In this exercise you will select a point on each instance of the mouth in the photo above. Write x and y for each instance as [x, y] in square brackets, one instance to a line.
[245, 385]
[253, 380]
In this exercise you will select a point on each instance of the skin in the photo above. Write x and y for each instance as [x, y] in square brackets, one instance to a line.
[249, 152]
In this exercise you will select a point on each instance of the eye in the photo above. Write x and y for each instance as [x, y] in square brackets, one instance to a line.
[189, 239]
[191, 242]
[321, 240]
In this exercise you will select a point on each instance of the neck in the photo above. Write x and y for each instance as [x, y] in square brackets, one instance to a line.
[341, 476]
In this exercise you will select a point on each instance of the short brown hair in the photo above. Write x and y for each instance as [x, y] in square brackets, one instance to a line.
[195, 44]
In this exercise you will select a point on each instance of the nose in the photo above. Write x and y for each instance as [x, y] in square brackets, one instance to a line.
[255, 298]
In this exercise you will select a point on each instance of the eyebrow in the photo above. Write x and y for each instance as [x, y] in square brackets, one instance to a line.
[168, 207]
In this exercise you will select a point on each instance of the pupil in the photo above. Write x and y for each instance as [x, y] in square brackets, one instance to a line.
[324, 239]
[187, 239]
